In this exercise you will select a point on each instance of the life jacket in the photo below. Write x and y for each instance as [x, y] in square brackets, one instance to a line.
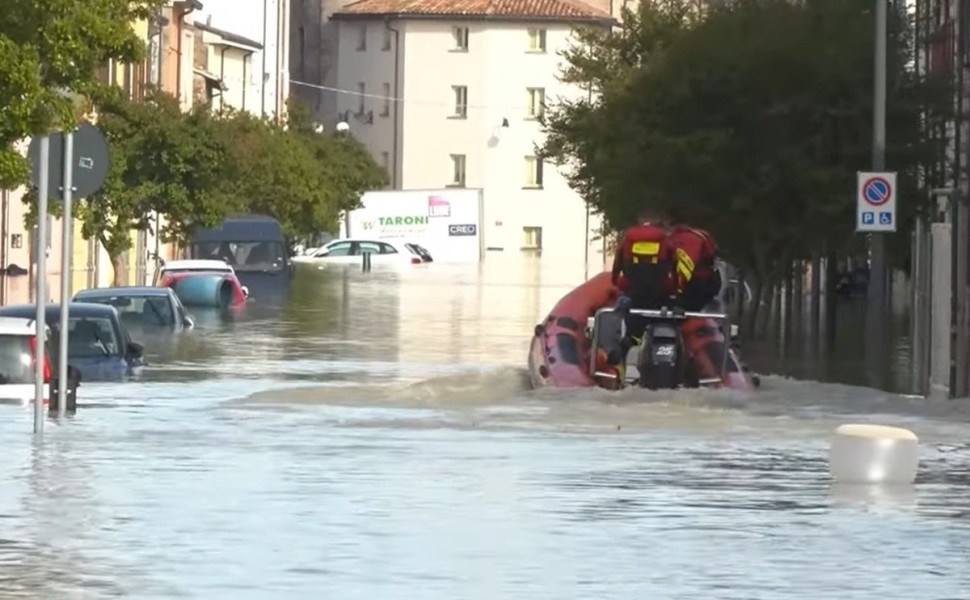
[643, 259]
[644, 244]
[693, 252]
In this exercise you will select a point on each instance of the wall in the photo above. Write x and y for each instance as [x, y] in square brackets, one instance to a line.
[177, 76]
[373, 67]
[497, 69]
[314, 55]
[245, 17]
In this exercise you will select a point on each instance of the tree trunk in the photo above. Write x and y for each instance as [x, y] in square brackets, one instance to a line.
[118, 266]
[765, 316]
[751, 316]
[816, 298]
[798, 297]
[831, 280]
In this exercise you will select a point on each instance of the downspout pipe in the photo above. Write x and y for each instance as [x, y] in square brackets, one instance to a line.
[262, 85]
[222, 74]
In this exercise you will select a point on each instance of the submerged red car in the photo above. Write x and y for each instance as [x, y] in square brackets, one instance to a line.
[203, 283]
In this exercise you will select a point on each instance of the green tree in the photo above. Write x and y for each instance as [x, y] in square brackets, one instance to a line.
[749, 120]
[162, 160]
[290, 172]
[49, 53]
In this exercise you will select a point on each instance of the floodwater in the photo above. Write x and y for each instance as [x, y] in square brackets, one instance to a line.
[372, 437]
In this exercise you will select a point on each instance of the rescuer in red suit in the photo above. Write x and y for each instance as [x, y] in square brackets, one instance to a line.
[642, 270]
[695, 278]
[643, 263]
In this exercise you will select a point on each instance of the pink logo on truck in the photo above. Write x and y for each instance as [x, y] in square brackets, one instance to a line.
[438, 207]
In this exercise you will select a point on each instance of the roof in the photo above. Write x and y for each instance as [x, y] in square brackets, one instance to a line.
[533, 10]
[392, 242]
[128, 290]
[18, 325]
[195, 264]
[234, 39]
[241, 228]
[211, 78]
[77, 309]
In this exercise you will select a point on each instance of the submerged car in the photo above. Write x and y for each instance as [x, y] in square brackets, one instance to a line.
[208, 283]
[142, 306]
[350, 250]
[99, 345]
[18, 360]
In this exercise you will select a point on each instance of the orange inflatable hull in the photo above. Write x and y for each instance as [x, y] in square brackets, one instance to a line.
[559, 353]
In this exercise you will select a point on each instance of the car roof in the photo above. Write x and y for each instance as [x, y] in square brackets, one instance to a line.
[397, 242]
[196, 264]
[241, 228]
[127, 290]
[18, 326]
[77, 309]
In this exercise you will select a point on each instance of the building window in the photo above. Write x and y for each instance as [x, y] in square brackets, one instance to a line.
[457, 170]
[386, 45]
[461, 39]
[362, 38]
[533, 171]
[361, 91]
[461, 101]
[386, 111]
[536, 98]
[532, 238]
[537, 40]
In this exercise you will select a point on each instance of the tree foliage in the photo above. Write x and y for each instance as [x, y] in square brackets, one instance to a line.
[198, 167]
[749, 120]
[161, 160]
[289, 171]
[49, 53]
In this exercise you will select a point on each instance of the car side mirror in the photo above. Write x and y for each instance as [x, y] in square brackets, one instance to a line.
[188, 322]
[245, 291]
[135, 350]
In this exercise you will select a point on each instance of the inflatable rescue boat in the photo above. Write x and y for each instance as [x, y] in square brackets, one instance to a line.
[572, 347]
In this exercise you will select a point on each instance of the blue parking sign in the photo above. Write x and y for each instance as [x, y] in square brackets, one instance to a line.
[868, 218]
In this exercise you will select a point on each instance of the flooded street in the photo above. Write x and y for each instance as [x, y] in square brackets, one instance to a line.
[372, 436]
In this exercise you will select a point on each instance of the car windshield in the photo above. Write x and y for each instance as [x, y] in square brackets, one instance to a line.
[419, 250]
[139, 310]
[244, 256]
[15, 359]
[91, 337]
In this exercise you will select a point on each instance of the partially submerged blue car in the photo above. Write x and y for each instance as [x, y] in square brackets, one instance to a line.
[142, 306]
[99, 345]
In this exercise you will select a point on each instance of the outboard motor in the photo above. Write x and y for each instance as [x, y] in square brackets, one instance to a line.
[660, 352]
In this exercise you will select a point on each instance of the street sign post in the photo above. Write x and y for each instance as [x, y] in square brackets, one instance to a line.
[875, 202]
[81, 159]
[90, 165]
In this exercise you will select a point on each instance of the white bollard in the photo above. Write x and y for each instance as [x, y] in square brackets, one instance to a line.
[874, 454]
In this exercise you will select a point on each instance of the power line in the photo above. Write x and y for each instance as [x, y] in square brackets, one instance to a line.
[404, 100]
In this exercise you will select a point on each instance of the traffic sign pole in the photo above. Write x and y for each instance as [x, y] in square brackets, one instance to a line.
[67, 224]
[876, 300]
[82, 157]
[41, 275]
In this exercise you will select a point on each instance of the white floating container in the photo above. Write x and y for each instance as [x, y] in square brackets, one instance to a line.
[874, 454]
